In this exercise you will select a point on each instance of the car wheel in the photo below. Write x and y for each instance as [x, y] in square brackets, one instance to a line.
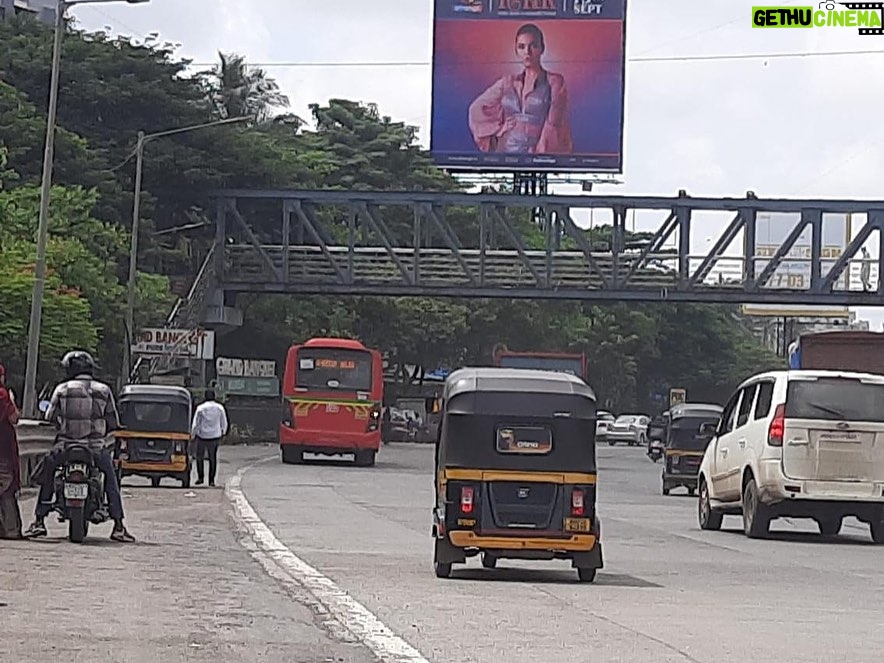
[709, 519]
[756, 516]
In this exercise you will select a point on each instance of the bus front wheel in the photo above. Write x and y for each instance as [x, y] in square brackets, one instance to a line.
[291, 454]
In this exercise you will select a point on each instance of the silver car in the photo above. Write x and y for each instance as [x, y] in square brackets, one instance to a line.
[604, 419]
[629, 428]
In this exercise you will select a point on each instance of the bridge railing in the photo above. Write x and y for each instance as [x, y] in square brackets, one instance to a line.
[471, 245]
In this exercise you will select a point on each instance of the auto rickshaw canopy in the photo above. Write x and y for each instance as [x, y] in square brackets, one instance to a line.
[155, 408]
[685, 421]
[517, 419]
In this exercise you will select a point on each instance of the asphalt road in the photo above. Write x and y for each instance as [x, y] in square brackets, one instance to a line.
[669, 592]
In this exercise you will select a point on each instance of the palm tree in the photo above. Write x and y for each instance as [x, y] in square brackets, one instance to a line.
[238, 90]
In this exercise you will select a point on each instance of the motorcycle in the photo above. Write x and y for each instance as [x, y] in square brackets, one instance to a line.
[655, 450]
[79, 492]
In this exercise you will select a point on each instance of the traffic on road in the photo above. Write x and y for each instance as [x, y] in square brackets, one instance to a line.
[467, 550]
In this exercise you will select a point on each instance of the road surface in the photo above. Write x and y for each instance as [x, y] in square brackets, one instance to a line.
[329, 562]
[669, 593]
[186, 591]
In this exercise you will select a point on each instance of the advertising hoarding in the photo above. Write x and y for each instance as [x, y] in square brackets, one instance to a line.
[771, 230]
[191, 343]
[529, 85]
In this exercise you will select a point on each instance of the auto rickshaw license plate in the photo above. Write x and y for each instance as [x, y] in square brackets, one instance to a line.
[577, 524]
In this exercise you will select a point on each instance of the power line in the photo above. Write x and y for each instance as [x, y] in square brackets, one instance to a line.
[672, 58]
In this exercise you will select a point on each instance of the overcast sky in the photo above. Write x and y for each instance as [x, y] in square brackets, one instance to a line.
[782, 127]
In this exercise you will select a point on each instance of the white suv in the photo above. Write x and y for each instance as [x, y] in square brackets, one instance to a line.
[803, 444]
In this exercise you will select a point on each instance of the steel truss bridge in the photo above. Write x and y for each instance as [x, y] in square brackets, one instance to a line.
[537, 246]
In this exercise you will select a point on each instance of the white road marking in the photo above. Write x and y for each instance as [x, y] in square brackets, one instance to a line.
[291, 570]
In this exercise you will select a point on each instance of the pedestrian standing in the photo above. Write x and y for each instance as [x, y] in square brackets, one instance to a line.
[208, 428]
[10, 468]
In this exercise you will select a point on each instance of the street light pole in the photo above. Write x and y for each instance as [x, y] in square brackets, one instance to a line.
[133, 259]
[29, 404]
[143, 139]
[30, 390]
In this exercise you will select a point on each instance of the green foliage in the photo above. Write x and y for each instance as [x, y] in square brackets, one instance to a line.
[66, 314]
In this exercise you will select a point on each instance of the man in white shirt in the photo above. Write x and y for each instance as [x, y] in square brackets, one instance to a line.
[209, 426]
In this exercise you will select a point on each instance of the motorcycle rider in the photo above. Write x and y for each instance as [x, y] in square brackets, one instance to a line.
[84, 411]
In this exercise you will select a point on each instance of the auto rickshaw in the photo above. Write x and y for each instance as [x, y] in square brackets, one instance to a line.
[685, 443]
[156, 433]
[516, 470]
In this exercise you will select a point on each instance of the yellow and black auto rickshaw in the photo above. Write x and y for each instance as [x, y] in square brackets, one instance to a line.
[685, 444]
[156, 433]
[516, 470]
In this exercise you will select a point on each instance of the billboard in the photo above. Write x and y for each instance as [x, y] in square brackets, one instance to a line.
[529, 85]
[771, 230]
[159, 341]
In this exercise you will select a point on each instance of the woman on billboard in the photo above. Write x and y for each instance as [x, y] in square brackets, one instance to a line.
[524, 113]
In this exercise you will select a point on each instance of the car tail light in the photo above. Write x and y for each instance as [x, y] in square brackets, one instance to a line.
[466, 499]
[577, 507]
[777, 428]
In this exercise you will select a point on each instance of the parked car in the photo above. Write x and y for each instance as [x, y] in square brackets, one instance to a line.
[799, 444]
[629, 428]
[603, 420]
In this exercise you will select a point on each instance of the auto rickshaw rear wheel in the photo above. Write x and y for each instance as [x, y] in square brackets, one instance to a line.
[489, 561]
[185, 479]
[155, 481]
[586, 575]
[442, 569]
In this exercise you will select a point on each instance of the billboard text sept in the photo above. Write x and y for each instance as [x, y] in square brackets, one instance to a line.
[529, 85]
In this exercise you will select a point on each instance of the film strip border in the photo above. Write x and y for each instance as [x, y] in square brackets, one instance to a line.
[879, 6]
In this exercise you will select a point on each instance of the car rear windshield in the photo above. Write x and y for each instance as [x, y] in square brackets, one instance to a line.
[835, 399]
[328, 368]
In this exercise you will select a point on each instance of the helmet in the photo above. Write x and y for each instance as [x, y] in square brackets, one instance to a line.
[78, 362]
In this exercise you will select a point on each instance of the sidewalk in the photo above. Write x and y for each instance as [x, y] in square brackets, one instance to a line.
[186, 591]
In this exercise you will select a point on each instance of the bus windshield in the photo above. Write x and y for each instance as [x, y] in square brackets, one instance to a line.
[332, 368]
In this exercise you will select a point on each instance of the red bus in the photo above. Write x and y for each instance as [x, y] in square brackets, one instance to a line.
[332, 392]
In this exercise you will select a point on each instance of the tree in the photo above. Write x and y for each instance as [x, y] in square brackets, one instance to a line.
[66, 319]
[82, 255]
[237, 90]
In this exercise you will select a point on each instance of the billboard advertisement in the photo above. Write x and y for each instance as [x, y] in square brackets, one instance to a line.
[771, 230]
[529, 85]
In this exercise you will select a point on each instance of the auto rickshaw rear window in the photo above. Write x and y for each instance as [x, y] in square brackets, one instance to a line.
[524, 439]
[148, 416]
